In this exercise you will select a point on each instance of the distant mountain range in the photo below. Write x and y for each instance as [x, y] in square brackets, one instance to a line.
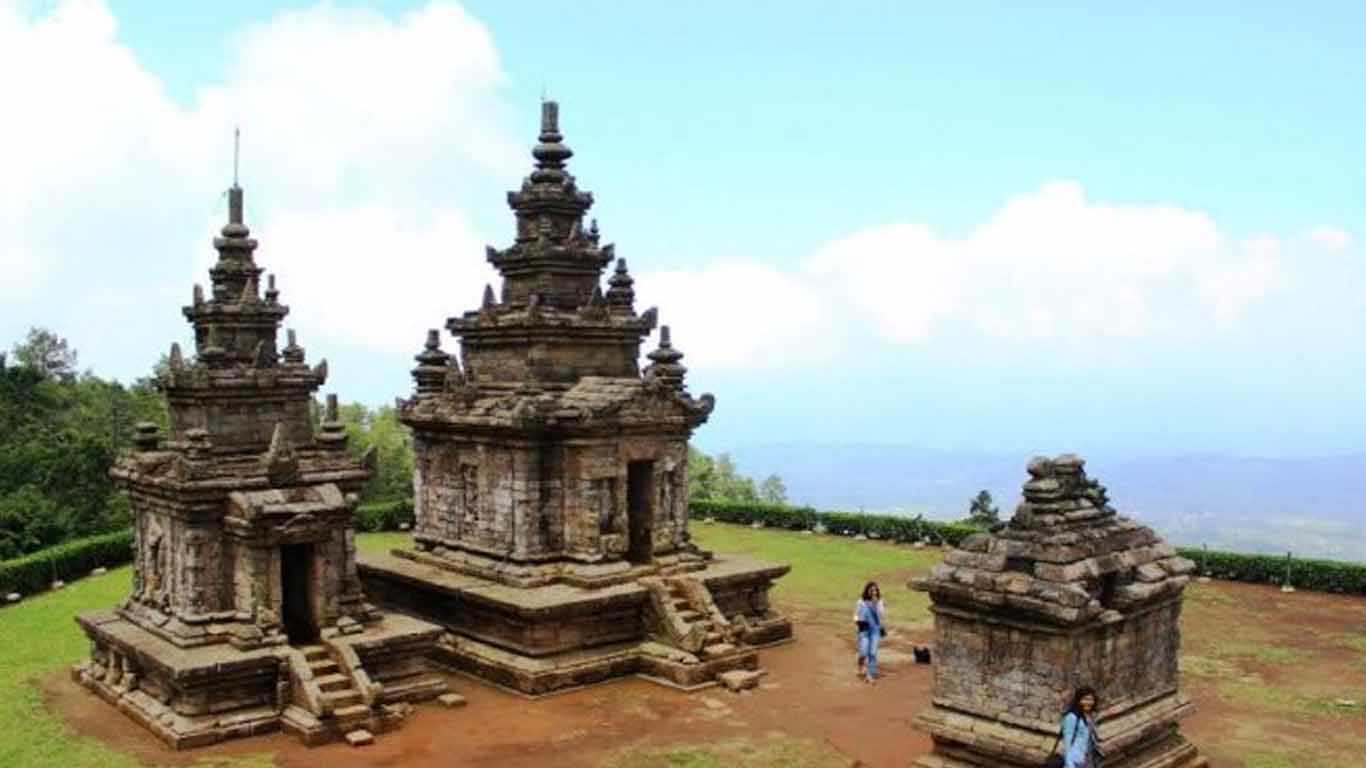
[1313, 507]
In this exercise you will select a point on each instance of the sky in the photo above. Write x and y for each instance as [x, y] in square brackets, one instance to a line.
[987, 227]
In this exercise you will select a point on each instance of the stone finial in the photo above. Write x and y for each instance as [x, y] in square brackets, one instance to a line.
[212, 351]
[249, 292]
[455, 378]
[649, 319]
[279, 461]
[198, 444]
[597, 299]
[263, 356]
[320, 370]
[272, 294]
[175, 361]
[293, 354]
[332, 433]
[432, 366]
[197, 295]
[620, 293]
[665, 365]
[550, 153]
[147, 436]
[489, 301]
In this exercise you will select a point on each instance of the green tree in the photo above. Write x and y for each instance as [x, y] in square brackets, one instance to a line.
[773, 490]
[46, 352]
[701, 475]
[982, 512]
[380, 429]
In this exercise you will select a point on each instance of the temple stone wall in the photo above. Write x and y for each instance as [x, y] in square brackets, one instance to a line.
[247, 423]
[1029, 676]
[557, 361]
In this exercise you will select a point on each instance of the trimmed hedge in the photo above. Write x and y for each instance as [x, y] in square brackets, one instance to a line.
[36, 571]
[384, 515]
[1317, 575]
[889, 527]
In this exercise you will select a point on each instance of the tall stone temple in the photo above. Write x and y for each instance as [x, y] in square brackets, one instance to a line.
[1066, 594]
[247, 613]
[551, 535]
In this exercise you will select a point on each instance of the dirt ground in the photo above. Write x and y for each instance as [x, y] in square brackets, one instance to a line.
[811, 692]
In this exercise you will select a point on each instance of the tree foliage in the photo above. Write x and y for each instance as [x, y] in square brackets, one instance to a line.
[718, 479]
[59, 434]
[380, 429]
[982, 511]
[46, 352]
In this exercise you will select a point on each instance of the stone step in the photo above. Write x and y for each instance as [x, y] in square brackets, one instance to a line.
[321, 668]
[740, 679]
[714, 637]
[717, 649]
[332, 682]
[343, 699]
[360, 737]
[690, 616]
[451, 700]
[314, 652]
[681, 604]
[352, 712]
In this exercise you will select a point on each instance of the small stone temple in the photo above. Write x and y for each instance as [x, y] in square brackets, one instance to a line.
[247, 613]
[551, 534]
[1067, 593]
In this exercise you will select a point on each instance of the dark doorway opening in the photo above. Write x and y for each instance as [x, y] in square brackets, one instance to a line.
[640, 492]
[296, 580]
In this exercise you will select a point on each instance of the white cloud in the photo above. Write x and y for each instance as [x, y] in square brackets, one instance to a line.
[380, 280]
[1049, 264]
[1330, 238]
[359, 132]
[740, 314]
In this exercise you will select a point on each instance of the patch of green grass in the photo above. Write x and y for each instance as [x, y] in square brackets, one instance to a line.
[1356, 641]
[1204, 666]
[379, 543]
[828, 572]
[38, 638]
[737, 753]
[1271, 654]
[1281, 700]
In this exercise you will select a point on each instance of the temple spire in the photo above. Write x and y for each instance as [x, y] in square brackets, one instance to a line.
[550, 153]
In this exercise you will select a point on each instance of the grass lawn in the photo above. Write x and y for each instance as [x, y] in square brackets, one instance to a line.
[829, 571]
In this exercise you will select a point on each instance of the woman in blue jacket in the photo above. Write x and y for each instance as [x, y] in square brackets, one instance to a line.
[868, 616]
[1079, 731]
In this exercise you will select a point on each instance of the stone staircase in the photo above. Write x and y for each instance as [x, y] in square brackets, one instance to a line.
[348, 714]
[688, 619]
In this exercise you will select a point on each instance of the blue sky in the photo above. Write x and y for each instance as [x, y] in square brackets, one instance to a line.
[982, 227]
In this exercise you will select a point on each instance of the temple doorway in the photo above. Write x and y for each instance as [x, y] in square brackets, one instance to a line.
[639, 510]
[296, 580]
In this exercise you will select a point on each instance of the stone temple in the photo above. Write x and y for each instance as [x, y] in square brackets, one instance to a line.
[551, 533]
[247, 613]
[1065, 594]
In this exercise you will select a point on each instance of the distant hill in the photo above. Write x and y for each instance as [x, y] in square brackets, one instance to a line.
[1314, 507]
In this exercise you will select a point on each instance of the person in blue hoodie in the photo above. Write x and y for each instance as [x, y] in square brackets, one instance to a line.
[868, 618]
[1078, 735]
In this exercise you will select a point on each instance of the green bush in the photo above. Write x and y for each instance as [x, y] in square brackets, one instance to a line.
[889, 527]
[36, 571]
[1317, 575]
[384, 515]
